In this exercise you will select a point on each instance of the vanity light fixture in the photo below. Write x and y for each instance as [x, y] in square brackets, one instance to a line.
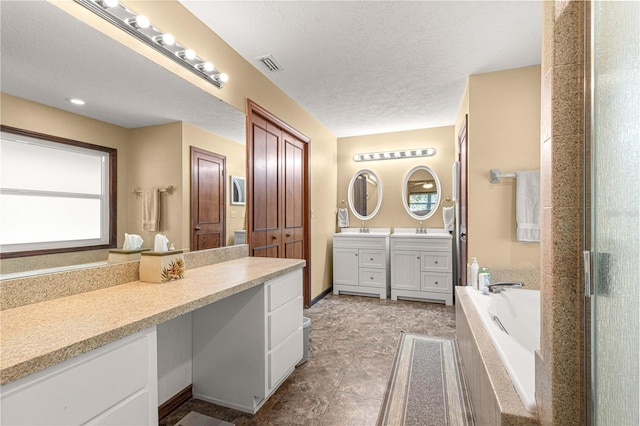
[141, 28]
[76, 101]
[390, 155]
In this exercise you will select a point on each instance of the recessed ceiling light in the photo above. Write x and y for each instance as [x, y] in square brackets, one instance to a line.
[76, 101]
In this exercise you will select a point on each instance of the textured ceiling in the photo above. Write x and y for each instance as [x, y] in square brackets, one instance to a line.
[52, 56]
[368, 67]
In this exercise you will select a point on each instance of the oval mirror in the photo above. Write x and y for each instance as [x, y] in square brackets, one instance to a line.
[421, 192]
[365, 194]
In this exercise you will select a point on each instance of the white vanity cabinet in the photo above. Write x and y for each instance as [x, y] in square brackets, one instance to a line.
[113, 385]
[422, 267]
[361, 263]
[246, 345]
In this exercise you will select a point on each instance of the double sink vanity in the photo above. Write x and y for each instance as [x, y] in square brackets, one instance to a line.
[408, 263]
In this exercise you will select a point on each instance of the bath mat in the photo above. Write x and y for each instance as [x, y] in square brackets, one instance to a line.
[425, 387]
[197, 419]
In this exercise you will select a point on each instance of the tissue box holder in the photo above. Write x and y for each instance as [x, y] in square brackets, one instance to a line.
[161, 267]
[120, 255]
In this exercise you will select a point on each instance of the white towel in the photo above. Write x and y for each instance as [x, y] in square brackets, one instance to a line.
[447, 217]
[343, 218]
[151, 210]
[528, 206]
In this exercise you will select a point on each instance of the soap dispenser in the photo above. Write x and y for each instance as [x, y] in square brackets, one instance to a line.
[484, 279]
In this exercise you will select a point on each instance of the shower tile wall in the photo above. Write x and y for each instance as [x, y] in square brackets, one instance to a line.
[559, 363]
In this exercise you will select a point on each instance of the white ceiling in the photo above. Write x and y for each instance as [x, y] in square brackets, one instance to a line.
[359, 67]
[365, 67]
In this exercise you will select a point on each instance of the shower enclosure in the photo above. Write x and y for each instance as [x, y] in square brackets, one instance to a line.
[612, 204]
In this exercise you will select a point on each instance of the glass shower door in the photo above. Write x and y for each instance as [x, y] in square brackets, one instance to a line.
[615, 213]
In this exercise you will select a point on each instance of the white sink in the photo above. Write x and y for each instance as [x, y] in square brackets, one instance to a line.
[373, 232]
[412, 233]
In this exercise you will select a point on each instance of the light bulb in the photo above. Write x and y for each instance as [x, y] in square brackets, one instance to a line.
[367, 157]
[418, 152]
[187, 54]
[165, 39]
[108, 3]
[224, 77]
[356, 157]
[397, 154]
[387, 155]
[140, 22]
[206, 66]
[407, 153]
[376, 156]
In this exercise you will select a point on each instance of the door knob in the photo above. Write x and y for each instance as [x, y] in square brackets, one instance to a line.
[274, 237]
[197, 228]
[462, 235]
[288, 235]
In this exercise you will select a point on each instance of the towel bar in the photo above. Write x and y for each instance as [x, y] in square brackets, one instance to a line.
[168, 190]
[496, 175]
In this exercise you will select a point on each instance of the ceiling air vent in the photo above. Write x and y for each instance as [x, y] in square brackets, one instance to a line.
[270, 63]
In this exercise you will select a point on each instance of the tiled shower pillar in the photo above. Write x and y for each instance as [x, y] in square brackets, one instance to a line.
[559, 363]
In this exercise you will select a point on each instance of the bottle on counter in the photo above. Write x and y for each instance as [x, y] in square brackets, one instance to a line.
[474, 273]
[484, 279]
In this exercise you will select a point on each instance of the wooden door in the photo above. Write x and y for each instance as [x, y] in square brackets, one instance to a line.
[278, 209]
[208, 213]
[293, 197]
[462, 202]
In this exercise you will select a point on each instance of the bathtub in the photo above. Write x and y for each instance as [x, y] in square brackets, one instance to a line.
[512, 320]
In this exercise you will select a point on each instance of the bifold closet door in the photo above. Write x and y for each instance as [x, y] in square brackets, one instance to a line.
[278, 209]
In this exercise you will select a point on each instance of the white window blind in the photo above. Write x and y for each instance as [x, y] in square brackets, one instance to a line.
[52, 195]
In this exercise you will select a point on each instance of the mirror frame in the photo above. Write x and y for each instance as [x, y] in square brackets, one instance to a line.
[405, 181]
[350, 194]
[237, 192]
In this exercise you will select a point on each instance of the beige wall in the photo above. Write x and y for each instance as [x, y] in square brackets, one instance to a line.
[23, 114]
[235, 166]
[245, 82]
[391, 173]
[504, 133]
[155, 162]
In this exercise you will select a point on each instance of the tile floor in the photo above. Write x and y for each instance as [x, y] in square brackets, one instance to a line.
[353, 340]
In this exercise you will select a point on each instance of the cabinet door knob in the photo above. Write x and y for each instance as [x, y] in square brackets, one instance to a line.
[436, 282]
[371, 259]
[356, 254]
[418, 257]
[436, 262]
[370, 278]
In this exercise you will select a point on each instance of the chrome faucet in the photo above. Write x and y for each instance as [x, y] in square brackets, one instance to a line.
[420, 229]
[498, 287]
[364, 229]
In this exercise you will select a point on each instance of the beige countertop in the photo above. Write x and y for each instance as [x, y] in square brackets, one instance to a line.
[36, 336]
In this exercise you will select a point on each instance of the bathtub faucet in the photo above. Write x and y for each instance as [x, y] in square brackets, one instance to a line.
[498, 287]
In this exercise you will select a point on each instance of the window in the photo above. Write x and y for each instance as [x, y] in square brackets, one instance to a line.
[422, 203]
[56, 194]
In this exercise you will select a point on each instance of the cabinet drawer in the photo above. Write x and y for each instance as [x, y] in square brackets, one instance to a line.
[373, 277]
[284, 357]
[421, 243]
[372, 258]
[362, 242]
[435, 261]
[283, 289]
[77, 390]
[436, 282]
[284, 321]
